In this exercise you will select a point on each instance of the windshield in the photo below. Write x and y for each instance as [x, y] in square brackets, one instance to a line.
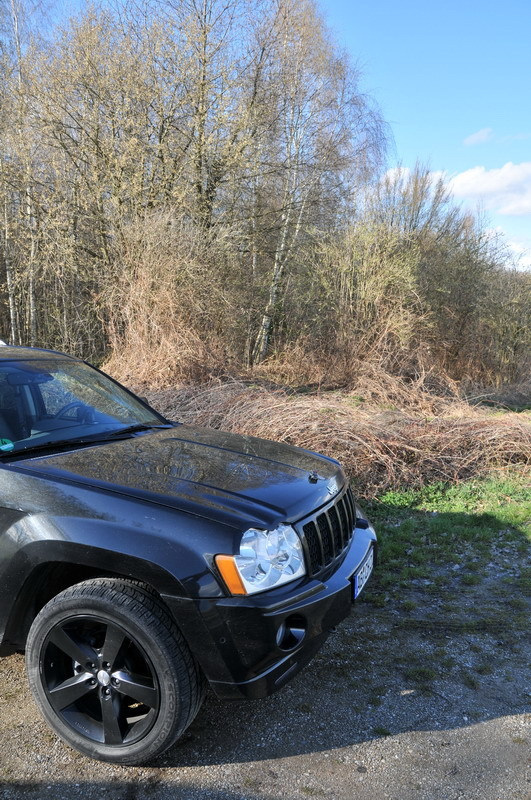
[58, 401]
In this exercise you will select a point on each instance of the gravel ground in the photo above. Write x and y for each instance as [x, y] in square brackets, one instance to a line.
[397, 705]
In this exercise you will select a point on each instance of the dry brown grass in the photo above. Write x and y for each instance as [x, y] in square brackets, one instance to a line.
[422, 439]
[160, 329]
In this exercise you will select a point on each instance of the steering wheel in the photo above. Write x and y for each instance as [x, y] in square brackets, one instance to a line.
[74, 404]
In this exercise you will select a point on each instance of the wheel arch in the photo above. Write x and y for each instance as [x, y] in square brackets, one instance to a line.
[73, 565]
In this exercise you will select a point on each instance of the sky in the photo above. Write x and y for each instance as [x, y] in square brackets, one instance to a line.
[453, 81]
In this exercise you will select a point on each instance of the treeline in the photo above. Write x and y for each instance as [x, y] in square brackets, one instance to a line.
[195, 186]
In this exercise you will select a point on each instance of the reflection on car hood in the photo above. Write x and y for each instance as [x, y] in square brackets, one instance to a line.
[240, 480]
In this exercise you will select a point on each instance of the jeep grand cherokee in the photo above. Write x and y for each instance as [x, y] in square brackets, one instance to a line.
[142, 560]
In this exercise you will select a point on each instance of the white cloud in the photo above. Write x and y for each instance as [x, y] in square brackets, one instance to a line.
[506, 190]
[484, 135]
[488, 135]
[522, 253]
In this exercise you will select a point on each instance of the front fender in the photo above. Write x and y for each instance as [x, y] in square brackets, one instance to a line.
[35, 546]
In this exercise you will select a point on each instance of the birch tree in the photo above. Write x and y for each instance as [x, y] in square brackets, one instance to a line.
[322, 131]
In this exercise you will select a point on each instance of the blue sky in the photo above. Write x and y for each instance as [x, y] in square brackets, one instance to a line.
[453, 80]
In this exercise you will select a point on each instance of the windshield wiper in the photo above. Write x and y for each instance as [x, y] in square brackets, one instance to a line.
[136, 428]
[60, 444]
[95, 438]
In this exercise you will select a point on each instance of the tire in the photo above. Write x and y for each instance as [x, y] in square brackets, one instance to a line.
[111, 673]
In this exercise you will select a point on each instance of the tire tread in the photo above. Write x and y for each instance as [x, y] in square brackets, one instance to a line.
[140, 603]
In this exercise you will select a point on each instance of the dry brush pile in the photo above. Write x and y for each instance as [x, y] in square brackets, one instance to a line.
[423, 439]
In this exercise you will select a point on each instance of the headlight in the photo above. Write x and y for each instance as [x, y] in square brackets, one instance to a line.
[266, 559]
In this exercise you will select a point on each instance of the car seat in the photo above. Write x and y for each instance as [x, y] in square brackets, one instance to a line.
[12, 417]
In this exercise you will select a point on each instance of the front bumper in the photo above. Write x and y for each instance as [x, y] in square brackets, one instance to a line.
[251, 646]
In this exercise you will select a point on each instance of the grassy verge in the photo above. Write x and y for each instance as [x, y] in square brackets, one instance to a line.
[447, 611]
[449, 548]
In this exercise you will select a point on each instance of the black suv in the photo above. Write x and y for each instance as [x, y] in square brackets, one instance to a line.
[142, 559]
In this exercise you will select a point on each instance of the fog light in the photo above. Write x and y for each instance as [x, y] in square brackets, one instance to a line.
[291, 632]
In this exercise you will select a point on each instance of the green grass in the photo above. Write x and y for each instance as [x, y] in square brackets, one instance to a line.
[508, 498]
[470, 681]
[523, 582]
[376, 694]
[471, 580]
[420, 674]
[453, 560]
[379, 730]
[484, 669]
[438, 542]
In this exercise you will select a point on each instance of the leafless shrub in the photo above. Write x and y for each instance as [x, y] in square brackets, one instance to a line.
[160, 328]
[414, 385]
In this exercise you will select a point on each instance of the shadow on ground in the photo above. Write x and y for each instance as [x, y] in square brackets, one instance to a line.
[433, 651]
[442, 645]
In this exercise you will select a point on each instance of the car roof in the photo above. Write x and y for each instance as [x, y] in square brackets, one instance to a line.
[15, 353]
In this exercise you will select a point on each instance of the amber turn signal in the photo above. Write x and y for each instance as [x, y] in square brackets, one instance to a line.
[229, 573]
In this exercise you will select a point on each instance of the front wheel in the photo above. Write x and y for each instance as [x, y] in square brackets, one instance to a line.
[111, 673]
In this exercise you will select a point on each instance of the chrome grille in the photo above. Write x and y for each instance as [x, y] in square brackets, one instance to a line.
[329, 532]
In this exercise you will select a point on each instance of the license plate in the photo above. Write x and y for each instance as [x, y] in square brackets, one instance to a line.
[362, 575]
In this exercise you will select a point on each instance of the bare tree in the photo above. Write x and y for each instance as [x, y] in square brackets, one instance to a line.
[323, 129]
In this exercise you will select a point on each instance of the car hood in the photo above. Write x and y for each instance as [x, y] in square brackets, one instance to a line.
[238, 480]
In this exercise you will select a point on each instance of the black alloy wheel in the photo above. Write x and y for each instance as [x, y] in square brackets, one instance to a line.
[99, 680]
[111, 673]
